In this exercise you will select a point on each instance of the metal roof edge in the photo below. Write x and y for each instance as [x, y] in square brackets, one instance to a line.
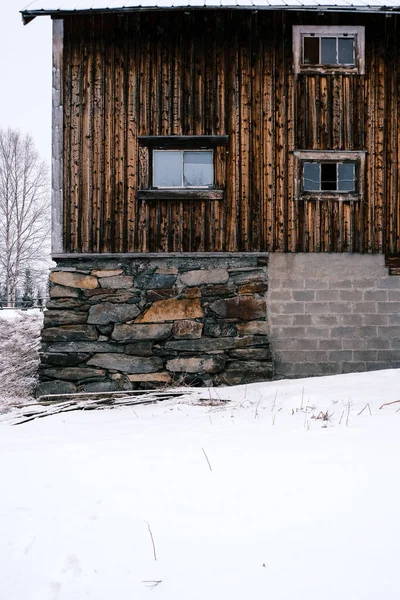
[29, 15]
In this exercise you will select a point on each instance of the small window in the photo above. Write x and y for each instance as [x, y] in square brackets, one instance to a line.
[329, 174]
[329, 177]
[328, 49]
[183, 169]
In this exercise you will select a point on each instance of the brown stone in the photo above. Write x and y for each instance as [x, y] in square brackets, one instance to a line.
[167, 270]
[59, 291]
[74, 280]
[132, 333]
[218, 290]
[70, 333]
[204, 276]
[172, 310]
[73, 373]
[65, 303]
[159, 294]
[126, 364]
[121, 282]
[253, 288]
[253, 328]
[192, 293]
[201, 364]
[106, 312]
[162, 377]
[107, 273]
[98, 292]
[188, 330]
[53, 318]
[245, 308]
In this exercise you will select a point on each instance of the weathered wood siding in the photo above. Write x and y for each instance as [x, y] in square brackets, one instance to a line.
[224, 73]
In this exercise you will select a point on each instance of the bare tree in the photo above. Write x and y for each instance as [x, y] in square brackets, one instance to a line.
[24, 209]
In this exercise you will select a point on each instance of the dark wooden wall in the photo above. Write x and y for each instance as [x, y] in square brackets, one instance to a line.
[224, 73]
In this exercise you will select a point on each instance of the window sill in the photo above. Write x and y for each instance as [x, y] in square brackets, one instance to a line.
[339, 196]
[180, 194]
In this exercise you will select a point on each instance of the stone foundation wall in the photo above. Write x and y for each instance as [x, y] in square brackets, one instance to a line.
[146, 322]
[332, 313]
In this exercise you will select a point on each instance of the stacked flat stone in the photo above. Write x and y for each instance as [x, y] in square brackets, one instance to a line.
[139, 323]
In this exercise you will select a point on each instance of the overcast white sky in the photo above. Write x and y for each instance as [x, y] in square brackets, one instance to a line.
[25, 67]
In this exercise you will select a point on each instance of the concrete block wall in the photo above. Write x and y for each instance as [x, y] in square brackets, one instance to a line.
[332, 313]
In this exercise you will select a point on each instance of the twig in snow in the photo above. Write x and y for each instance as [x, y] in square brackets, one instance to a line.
[389, 403]
[152, 583]
[302, 398]
[348, 413]
[274, 402]
[369, 408]
[204, 452]
[258, 404]
[341, 417]
[152, 540]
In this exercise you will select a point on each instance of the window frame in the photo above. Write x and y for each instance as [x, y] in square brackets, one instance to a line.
[333, 31]
[183, 187]
[215, 143]
[334, 156]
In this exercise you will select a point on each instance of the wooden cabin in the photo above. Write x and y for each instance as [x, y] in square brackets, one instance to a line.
[225, 190]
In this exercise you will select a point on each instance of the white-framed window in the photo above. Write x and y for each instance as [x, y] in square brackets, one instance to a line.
[328, 49]
[183, 169]
[329, 174]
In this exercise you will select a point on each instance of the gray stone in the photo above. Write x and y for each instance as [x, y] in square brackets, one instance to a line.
[102, 314]
[70, 333]
[247, 276]
[45, 388]
[204, 277]
[139, 349]
[152, 331]
[212, 344]
[53, 318]
[224, 291]
[155, 281]
[126, 364]
[251, 367]
[199, 364]
[217, 328]
[253, 328]
[83, 347]
[59, 291]
[71, 359]
[65, 304]
[121, 282]
[73, 373]
[106, 386]
[251, 354]
[245, 308]
[186, 329]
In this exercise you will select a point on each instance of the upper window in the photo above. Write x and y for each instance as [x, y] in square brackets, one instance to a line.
[329, 176]
[328, 49]
[183, 169]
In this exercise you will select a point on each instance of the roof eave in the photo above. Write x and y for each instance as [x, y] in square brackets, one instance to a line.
[29, 15]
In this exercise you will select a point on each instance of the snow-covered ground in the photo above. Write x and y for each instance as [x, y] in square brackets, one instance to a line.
[253, 498]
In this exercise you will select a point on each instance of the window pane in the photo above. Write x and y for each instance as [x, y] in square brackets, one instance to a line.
[311, 177]
[346, 176]
[311, 50]
[346, 51]
[167, 168]
[328, 51]
[198, 169]
[328, 177]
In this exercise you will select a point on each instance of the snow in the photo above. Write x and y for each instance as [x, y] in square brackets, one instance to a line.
[292, 506]
[13, 314]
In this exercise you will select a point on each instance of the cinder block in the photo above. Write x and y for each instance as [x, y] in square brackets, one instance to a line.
[340, 307]
[301, 356]
[353, 367]
[351, 319]
[280, 320]
[354, 344]
[389, 283]
[304, 296]
[316, 284]
[394, 319]
[279, 344]
[388, 355]
[343, 332]
[316, 308]
[393, 295]
[379, 366]
[365, 355]
[330, 344]
[279, 296]
[341, 284]
[341, 355]
[351, 295]
[388, 332]
[326, 320]
[375, 319]
[305, 344]
[327, 295]
[293, 308]
[389, 307]
[379, 344]
[378, 295]
[302, 320]
[293, 284]
[365, 308]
